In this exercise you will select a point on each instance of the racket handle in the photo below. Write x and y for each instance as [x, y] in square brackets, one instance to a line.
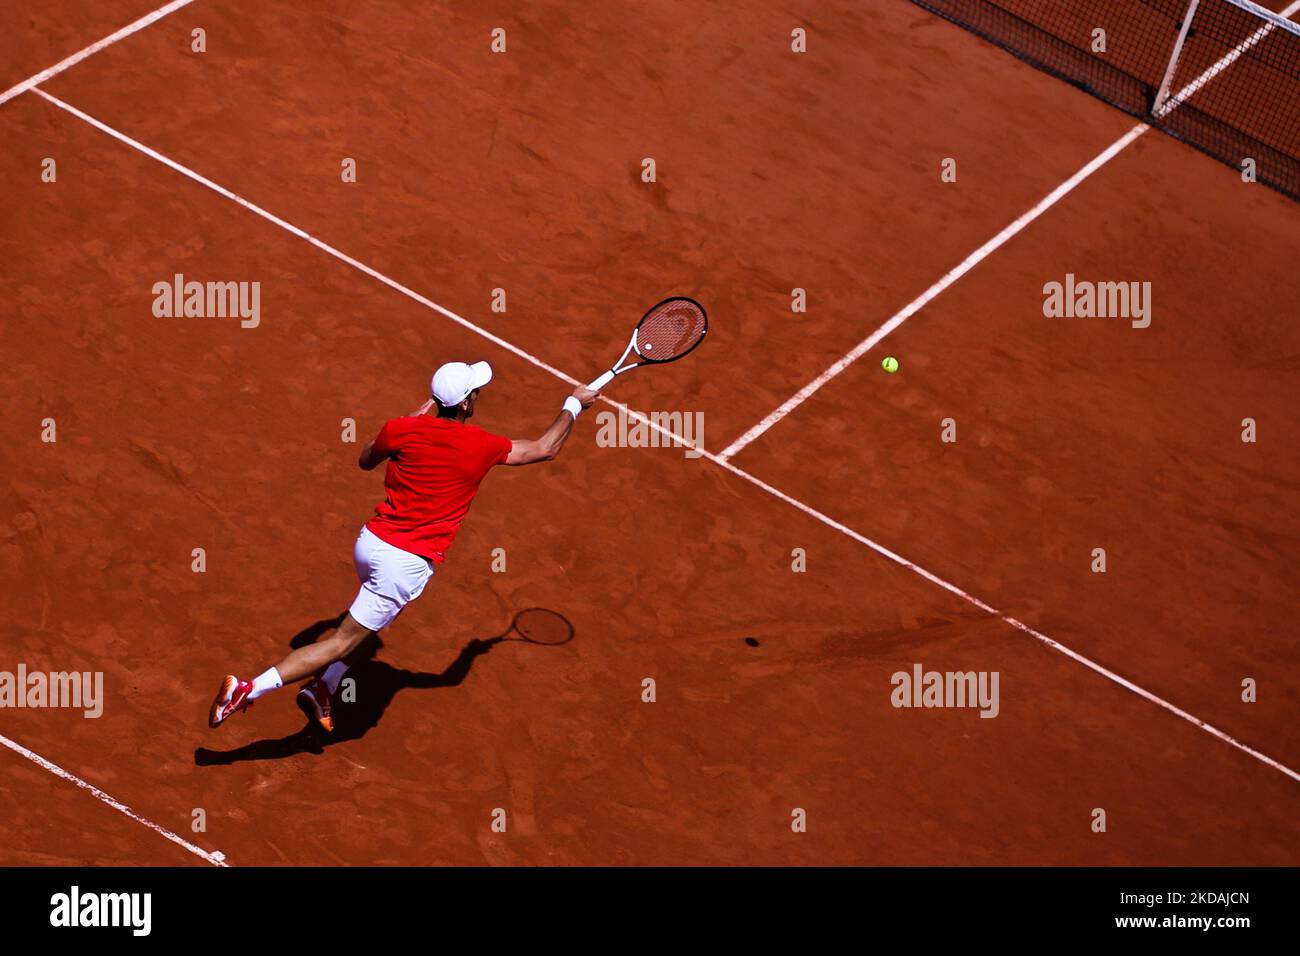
[601, 382]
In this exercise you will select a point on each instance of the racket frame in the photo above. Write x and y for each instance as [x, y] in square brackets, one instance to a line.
[618, 368]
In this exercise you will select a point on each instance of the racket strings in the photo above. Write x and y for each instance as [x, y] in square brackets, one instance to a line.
[670, 331]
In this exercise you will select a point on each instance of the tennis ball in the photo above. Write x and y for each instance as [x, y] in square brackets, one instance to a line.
[890, 365]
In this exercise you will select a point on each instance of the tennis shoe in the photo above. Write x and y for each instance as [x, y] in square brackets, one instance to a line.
[316, 702]
[232, 697]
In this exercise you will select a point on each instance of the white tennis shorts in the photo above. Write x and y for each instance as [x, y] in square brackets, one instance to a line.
[390, 579]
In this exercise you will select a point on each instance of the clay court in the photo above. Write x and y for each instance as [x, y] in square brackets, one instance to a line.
[522, 171]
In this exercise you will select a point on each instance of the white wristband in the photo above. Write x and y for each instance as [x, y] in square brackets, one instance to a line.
[573, 407]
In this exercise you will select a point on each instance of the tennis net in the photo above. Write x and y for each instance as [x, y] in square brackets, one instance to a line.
[1221, 75]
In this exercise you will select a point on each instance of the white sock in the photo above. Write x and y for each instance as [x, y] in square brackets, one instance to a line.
[266, 681]
[333, 674]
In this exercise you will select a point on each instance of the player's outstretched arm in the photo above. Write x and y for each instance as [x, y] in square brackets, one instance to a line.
[525, 452]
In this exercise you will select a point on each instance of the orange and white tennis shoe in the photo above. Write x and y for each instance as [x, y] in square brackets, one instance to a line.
[231, 698]
[315, 699]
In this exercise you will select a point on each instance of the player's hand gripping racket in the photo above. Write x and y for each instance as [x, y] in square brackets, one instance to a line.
[669, 331]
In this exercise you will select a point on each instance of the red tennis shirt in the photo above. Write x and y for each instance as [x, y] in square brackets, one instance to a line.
[435, 466]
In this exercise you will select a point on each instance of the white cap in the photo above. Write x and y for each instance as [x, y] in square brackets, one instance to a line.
[453, 382]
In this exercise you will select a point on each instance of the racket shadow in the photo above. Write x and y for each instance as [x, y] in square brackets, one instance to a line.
[378, 682]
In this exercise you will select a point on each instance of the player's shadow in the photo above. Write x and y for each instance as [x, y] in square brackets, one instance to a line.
[375, 685]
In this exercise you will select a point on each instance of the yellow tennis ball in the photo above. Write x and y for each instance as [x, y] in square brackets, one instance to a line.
[890, 365]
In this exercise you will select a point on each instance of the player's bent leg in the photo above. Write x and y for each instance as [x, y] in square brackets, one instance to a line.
[306, 661]
[390, 579]
[316, 696]
[234, 695]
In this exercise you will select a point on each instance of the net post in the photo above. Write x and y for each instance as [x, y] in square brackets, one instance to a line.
[1158, 107]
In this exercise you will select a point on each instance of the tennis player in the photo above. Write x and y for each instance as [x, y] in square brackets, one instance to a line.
[435, 465]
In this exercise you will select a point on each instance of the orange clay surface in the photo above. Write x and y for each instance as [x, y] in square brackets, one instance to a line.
[521, 171]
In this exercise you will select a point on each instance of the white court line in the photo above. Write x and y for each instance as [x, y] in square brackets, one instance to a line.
[1224, 62]
[122, 34]
[1018, 625]
[924, 299]
[1001, 239]
[302, 234]
[216, 857]
[716, 459]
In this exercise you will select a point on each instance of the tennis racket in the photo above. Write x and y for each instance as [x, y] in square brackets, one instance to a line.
[669, 331]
